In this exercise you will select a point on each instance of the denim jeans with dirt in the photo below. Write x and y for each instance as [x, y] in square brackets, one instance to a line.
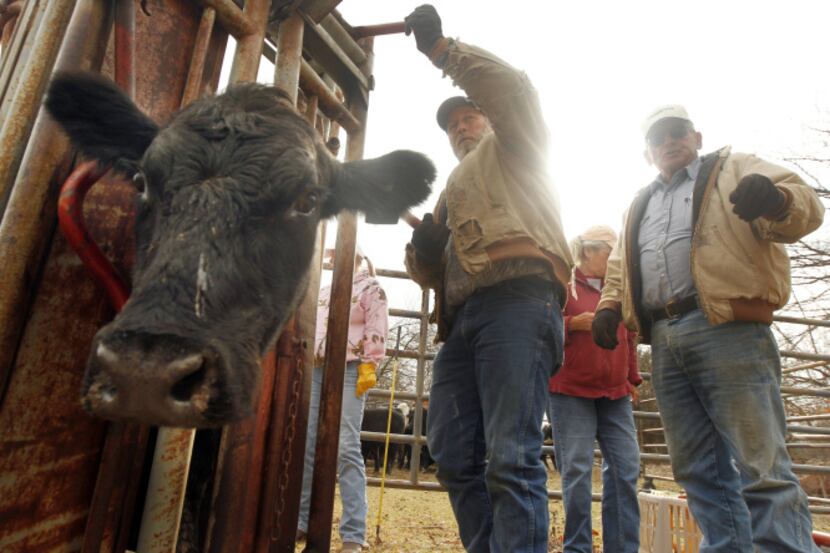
[488, 396]
[719, 393]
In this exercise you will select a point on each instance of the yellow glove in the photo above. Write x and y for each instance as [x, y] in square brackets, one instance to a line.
[366, 378]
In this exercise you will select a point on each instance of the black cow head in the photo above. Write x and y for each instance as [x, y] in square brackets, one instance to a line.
[229, 195]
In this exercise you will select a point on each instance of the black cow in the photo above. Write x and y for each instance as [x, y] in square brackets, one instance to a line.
[375, 420]
[547, 433]
[229, 195]
[426, 459]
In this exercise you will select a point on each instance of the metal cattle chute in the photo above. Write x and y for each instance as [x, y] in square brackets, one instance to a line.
[68, 481]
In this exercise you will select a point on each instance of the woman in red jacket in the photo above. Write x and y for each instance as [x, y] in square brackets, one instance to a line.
[589, 400]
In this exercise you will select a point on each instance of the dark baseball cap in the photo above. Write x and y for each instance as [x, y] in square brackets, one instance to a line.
[448, 106]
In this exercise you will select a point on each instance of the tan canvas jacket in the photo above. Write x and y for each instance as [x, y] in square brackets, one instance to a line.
[741, 270]
[500, 199]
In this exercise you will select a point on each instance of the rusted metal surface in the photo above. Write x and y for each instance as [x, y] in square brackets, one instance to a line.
[329, 103]
[195, 75]
[344, 39]
[249, 47]
[50, 448]
[125, 45]
[318, 9]
[19, 117]
[377, 30]
[18, 51]
[289, 54]
[325, 459]
[331, 55]
[238, 485]
[9, 13]
[279, 508]
[231, 17]
[165, 491]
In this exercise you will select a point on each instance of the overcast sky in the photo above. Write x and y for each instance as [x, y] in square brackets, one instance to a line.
[753, 74]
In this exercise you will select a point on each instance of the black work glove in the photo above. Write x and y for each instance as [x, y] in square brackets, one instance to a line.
[756, 196]
[604, 328]
[426, 25]
[429, 238]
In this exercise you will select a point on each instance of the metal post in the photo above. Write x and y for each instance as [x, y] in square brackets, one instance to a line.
[325, 459]
[249, 47]
[21, 112]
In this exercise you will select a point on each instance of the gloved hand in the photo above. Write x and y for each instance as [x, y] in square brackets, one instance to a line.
[604, 328]
[366, 378]
[426, 24]
[756, 196]
[429, 238]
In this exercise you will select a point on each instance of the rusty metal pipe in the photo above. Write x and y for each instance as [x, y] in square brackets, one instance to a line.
[197, 61]
[232, 19]
[125, 46]
[329, 103]
[249, 47]
[366, 31]
[342, 37]
[289, 54]
[17, 51]
[24, 106]
[29, 217]
[165, 491]
[336, 49]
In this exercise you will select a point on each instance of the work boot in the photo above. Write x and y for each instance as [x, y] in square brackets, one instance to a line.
[351, 547]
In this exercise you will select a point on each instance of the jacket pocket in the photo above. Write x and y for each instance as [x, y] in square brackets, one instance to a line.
[468, 234]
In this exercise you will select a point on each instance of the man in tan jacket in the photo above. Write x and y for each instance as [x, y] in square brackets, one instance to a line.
[698, 271]
[494, 252]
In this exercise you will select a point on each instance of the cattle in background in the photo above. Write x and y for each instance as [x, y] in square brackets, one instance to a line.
[229, 195]
[426, 459]
[547, 434]
[375, 420]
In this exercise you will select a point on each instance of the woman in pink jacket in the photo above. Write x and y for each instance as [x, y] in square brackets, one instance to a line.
[589, 400]
[368, 326]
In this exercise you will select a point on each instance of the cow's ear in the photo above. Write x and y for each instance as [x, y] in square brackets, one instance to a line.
[101, 121]
[383, 187]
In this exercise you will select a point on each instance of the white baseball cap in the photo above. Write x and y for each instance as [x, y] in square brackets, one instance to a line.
[673, 111]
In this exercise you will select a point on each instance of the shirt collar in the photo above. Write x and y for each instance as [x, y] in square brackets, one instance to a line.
[691, 170]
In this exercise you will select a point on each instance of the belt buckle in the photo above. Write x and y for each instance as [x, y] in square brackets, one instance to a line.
[670, 315]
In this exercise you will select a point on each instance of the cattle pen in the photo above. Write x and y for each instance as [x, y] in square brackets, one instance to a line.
[71, 482]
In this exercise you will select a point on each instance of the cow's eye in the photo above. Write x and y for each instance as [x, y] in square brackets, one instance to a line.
[139, 182]
[306, 203]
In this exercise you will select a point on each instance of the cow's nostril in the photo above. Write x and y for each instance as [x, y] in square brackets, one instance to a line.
[186, 387]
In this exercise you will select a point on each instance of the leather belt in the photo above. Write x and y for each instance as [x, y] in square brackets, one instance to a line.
[675, 309]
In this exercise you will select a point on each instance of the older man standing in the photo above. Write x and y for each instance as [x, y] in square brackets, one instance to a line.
[496, 256]
[698, 271]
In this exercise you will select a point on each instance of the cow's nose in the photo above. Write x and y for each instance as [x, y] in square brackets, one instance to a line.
[148, 387]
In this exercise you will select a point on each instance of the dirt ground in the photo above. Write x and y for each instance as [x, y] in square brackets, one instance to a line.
[415, 521]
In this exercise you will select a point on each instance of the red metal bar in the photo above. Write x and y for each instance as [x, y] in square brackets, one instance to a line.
[71, 220]
[377, 30]
[821, 538]
[125, 46]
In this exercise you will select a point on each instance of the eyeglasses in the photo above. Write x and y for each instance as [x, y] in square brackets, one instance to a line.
[657, 137]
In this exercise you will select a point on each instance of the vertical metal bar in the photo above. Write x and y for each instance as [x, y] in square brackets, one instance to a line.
[29, 216]
[165, 491]
[415, 457]
[197, 61]
[325, 459]
[26, 102]
[289, 54]
[125, 45]
[249, 48]
[16, 51]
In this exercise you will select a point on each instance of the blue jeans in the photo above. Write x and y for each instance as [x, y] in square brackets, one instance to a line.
[577, 422]
[350, 470]
[718, 390]
[487, 400]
